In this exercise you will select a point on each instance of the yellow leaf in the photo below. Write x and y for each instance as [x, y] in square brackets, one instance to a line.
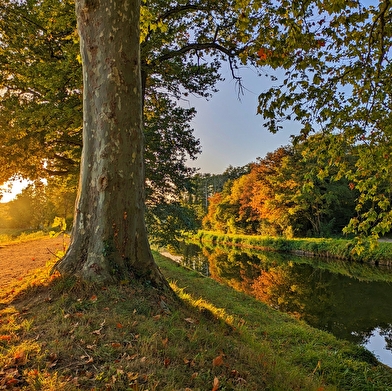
[215, 385]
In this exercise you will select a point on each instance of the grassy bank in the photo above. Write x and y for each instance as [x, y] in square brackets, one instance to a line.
[58, 335]
[8, 236]
[381, 253]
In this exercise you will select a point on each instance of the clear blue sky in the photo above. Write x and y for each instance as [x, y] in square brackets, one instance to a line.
[230, 131]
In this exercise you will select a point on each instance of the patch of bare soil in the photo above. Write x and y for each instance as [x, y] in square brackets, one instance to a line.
[19, 259]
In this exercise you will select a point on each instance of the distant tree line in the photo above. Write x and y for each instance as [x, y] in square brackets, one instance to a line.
[38, 205]
[287, 192]
[284, 193]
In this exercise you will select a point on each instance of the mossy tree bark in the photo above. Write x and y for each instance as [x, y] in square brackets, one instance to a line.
[109, 239]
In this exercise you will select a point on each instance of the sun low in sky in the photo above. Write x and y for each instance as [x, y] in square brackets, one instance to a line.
[11, 189]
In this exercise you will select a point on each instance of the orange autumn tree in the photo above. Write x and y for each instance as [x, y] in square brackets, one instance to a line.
[283, 194]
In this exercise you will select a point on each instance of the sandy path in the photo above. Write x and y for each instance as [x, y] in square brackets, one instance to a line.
[16, 260]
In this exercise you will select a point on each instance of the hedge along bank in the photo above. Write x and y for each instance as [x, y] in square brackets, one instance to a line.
[368, 251]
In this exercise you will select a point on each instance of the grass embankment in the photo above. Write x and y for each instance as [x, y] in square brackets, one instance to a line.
[58, 335]
[8, 236]
[368, 252]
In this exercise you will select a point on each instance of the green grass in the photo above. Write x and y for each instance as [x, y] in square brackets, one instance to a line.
[58, 334]
[8, 236]
[354, 250]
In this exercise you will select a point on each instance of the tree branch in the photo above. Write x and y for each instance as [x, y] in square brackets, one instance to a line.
[196, 47]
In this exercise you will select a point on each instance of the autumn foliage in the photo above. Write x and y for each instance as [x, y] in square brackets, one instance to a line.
[283, 194]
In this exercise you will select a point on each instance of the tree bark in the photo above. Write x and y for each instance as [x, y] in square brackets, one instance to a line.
[109, 240]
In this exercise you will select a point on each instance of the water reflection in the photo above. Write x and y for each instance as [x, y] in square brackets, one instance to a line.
[354, 302]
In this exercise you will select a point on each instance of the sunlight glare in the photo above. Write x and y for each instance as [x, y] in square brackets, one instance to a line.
[11, 189]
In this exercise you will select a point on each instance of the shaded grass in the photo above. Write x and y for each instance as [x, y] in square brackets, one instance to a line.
[58, 334]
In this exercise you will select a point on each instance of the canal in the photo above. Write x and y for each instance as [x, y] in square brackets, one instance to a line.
[350, 300]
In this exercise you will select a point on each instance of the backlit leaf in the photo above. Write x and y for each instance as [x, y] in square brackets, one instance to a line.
[215, 384]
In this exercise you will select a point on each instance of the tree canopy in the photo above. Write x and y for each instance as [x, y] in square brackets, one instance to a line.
[337, 57]
[182, 48]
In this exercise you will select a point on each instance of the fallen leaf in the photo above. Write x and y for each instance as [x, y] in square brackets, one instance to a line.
[165, 341]
[116, 345]
[87, 359]
[189, 362]
[217, 361]
[215, 385]
[12, 381]
[157, 317]
[98, 331]
[119, 326]
[20, 357]
[190, 320]
[132, 376]
[166, 362]
[51, 364]
[94, 298]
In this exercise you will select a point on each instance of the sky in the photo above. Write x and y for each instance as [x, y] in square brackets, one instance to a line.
[11, 192]
[229, 129]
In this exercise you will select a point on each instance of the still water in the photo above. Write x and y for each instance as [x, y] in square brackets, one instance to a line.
[352, 301]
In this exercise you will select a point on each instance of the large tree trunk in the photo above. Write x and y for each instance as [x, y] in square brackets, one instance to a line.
[109, 239]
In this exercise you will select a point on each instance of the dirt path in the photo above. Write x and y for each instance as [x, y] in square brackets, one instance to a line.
[16, 260]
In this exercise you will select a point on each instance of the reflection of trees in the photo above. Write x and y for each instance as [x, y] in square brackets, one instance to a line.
[232, 268]
[349, 308]
[274, 287]
[346, 307]
[386, 332]
[194, 258]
